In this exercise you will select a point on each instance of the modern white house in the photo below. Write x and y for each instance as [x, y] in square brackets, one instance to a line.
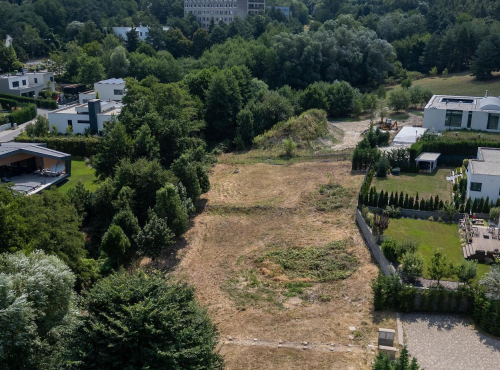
[483, 175]
[447, 112]
[26, 84]
[142, 31]
[111, 89]
[81, 117]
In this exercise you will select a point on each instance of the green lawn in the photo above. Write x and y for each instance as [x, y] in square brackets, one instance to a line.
[426, 185]
[430, 235]
[80, 171]
[471, 135]
[460, 84]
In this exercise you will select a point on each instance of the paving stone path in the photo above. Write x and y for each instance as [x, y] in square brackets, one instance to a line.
[449, 342]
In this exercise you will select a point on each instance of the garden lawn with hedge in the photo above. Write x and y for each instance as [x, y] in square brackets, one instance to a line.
[80, 171]
[427, 185]
[471, 135]
[429, 235]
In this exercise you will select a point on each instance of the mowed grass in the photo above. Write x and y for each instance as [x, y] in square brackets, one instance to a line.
[426, 185]
[460, 84]
[430, 235]
[80, 171]
[471, 135]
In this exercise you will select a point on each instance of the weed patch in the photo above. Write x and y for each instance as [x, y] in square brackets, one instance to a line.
[328, 263]
[333, 196]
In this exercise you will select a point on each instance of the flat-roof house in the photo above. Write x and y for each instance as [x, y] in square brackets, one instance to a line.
[449, 112]
[110, 89]
[81, 117]
[26, 84]
[32, 167]
[142, 31]
[483, 175]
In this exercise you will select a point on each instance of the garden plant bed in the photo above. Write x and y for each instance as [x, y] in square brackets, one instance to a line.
[430, 235]
[426, 184]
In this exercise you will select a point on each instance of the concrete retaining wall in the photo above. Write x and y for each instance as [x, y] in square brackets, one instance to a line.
[7, 126]
[371, 242]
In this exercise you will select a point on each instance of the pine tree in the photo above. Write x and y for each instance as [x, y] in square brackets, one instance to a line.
[436, 203]
[391, 199]
[480, 205]
[422, 205]
[401, 200]
[431, 204]
[468, 205]
[386, 199]
[381, 200]
[405, 203]
[411, 203]
[486, 206]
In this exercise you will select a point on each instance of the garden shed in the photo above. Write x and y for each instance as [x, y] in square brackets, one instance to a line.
[427, 162]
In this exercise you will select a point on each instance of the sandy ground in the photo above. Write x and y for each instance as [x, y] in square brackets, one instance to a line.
[250, 209]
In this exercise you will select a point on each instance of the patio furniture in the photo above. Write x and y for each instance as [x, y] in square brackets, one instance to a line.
[486, 236]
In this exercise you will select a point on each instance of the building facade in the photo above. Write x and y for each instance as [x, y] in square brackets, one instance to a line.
[222, 10]
[26, 84]
[110, 89]
[142, 31]
[91, 115]
[445, 112]
[483, 175]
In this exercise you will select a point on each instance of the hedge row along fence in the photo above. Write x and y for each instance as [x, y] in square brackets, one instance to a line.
[40, 103]
[25, 114]
[374, 199]
[465, 148]
[78, 146]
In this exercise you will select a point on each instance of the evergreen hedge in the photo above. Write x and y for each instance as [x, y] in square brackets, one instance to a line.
[25, 114]
[465, 148]
[77, 145]
[8, 104]
[40, 103]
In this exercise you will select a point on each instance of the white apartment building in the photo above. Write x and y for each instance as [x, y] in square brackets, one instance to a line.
[26, 84]
[142, 31]
[447, 112]
[483, 175]
[110, 89]
[81, 117]
[222, 10]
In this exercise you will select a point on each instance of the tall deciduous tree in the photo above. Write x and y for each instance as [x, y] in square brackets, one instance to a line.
[118, 66]
[440, 266]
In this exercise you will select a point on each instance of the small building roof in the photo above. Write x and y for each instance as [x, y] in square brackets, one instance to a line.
[489, 164]
[37, 149]
[112, 81]
[427, 157]
[408, 135]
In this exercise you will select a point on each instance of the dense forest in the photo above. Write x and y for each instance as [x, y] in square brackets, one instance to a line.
[191, 94]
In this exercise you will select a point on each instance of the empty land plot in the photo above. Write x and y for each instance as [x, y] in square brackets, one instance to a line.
[240, 257]
[427, 185]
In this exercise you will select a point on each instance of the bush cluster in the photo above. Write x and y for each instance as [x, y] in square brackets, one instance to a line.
[366, 151]
[77, 146]
[8, 104]
[25, 114]
[40, 103]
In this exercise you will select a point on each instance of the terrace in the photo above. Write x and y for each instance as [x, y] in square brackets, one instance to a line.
[481, 241]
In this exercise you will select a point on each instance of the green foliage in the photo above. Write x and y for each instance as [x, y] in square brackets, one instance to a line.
[403, 362]
[187, 175]
[322, 264]
[433, 72]
[115, 146]
[440, 266]
[382, 166]
[390, 249]
[40, 103]
[38, 309]
[494, 213]
[333, 196]
[154, 237]
[413, 265]
[24, 114]
[38, 129]
[115, 244]
[399, 99]
[289, 146]
[78, 146]
[170, 207]
[466, 271]
[156, 319]
[491, 281]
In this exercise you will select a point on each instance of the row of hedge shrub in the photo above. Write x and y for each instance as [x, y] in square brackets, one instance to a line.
[77, 145]
[389, 292]
[465, 148]
[8, 104]
[401, 200]
[25, 114]
[40, 103]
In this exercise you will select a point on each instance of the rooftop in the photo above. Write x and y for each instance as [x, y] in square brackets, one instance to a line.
[470, 103]
[112, 81]
[9, 149]
[408, 135]
[427, 156]
[489, 164]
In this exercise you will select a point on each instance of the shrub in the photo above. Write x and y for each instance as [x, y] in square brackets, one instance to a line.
[24, 114]
[289, 147]
[389, 248]
[382, 166]
[431, 218]
[494, 213]
[76, 145]
[413, 264]
[40, 103]
[393, 212]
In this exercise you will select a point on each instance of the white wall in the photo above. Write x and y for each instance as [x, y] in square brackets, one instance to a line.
[142, 32]
[60, 120]
[107, 91]
[434, 118]
[85, 97]
[490, 187]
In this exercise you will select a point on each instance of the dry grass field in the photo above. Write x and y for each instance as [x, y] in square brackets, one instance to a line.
[260, 260]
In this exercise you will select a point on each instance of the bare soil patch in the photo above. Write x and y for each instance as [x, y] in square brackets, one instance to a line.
[253, 211]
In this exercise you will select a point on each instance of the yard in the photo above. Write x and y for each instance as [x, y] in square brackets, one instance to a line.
[471, 135]
[80, 171]
[430, 235]
[426, 185]
[462, 84]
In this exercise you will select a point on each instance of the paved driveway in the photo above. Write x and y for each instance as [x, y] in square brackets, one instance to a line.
[449, 342]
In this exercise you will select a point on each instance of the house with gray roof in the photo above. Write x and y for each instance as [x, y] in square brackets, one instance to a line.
[32, 167]
[483, 175]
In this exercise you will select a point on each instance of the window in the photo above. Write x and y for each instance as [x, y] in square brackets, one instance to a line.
[493, 121]
[83, 121]
[118, 92]
[453, 118]
[70, 123]
[469, 120]
[51, 79]
[24, 82]
[36, 80]
[476, 186]
[15, 84]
